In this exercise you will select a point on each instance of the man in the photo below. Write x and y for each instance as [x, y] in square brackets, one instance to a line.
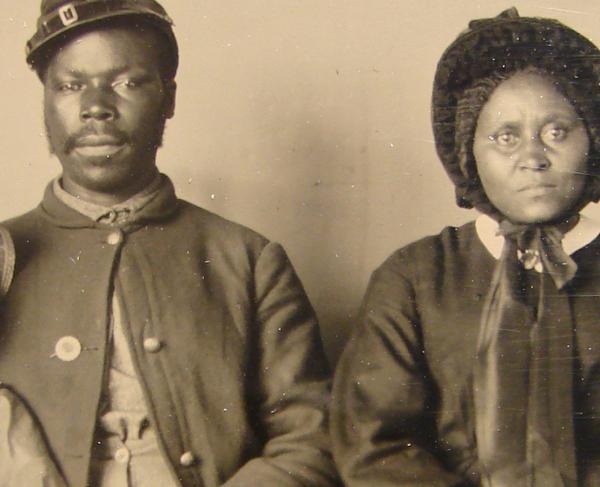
[156, 343]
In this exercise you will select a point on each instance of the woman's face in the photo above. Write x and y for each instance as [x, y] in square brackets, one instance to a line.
[531, 150]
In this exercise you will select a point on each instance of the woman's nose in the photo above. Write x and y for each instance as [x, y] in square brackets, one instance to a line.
[532, 154]
[97, 104]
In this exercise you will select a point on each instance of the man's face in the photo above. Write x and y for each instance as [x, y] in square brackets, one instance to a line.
[105, 107]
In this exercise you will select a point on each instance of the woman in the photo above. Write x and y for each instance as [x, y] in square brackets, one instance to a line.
[477, 361]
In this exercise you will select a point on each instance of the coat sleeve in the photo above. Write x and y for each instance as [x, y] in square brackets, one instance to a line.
[383, 418]
[292, 387]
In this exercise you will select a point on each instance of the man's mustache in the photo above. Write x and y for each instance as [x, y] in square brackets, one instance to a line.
[86, 135]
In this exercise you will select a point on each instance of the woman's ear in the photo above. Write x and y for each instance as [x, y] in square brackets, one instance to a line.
[170, 89]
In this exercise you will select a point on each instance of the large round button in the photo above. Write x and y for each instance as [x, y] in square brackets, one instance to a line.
[187, 459]
[122, 455]
[152, 344]
[114, 238]
[67, 348]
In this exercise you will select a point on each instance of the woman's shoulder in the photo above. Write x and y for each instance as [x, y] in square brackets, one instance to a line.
[449, 241]
[434, 254]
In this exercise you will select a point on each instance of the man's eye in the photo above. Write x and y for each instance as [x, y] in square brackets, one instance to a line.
[70, 86]
[554, 133]
[505, 138]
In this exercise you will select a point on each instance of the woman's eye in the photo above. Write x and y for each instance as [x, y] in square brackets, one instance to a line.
[506, 138]
[127, 83]
[554, 133]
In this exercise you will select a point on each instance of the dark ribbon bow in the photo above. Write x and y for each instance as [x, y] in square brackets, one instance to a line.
[523, 376]
[543, 242]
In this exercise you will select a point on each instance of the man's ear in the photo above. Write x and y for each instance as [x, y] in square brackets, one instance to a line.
[170, 88]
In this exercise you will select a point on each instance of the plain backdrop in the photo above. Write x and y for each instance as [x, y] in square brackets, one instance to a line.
[307, 120]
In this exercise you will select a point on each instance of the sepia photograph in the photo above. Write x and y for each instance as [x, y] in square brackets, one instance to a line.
[300, 243]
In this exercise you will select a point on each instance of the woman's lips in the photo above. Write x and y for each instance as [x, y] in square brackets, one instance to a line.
[537, 188]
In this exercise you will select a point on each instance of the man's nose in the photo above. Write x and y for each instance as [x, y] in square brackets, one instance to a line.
[97, 104]
[533, 154]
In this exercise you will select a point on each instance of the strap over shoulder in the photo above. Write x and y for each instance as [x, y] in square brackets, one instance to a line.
[7, 261]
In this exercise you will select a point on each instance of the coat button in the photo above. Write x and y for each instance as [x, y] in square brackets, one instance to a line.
[114, 238]
[187, 459]
[152, 344]
[122, 455]
[67, 349]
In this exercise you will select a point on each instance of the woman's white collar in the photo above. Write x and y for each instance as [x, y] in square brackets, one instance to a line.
[578, 237]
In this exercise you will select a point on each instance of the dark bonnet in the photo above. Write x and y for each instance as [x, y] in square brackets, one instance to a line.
[504, 45]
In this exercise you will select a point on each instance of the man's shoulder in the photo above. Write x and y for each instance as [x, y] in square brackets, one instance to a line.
[25, 229]
[209, 226]
[23, 221]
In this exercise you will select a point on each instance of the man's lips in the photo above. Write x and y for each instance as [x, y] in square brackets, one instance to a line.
[98, 140]
[98, 145]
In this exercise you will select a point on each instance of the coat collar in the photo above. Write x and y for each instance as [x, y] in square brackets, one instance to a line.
[110, 214]
[163, 205]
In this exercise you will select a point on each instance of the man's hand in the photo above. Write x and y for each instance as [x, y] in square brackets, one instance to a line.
[24, 457]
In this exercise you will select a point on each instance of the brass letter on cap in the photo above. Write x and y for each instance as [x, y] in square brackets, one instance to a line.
[68, 14]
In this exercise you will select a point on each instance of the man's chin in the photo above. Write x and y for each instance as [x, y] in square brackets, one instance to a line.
[101, 190]
[108, 176]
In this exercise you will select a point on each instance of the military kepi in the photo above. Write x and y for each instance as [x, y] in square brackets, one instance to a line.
[59, 18]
